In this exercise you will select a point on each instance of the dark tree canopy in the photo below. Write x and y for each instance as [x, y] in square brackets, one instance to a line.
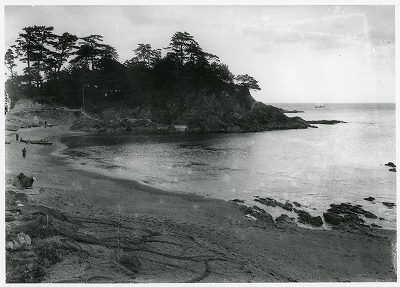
[145, 55]
[9, 61]
[63, 66]
[33, 48]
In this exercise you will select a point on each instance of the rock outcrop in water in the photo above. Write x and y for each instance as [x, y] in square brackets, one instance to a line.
[346, 215]
[303, 216]
[391, 164]
[389, 204]
[260, 215]
[325, 122]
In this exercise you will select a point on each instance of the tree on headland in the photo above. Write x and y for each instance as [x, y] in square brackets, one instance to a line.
[222, 72]
[90, 51]
[145, 55]
[185, 49]
[181, 43]
[248, 82]
[64, 47]
[9, 61]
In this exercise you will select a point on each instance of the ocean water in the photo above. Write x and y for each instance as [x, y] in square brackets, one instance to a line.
[315, 167]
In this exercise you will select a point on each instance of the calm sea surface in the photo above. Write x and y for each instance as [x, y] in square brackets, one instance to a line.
[315, 167]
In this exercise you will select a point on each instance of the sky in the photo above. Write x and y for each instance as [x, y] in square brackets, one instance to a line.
[302, 53]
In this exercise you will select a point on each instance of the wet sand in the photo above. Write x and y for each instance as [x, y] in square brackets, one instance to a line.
[123, 231]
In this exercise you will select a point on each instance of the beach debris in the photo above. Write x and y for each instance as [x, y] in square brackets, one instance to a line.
[393, 169]
[370, 198]
[22, 181]
[389, 204]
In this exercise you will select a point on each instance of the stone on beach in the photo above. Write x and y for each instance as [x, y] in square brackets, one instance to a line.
[258, 213]
[272, 202]
[349, 215]
[22, 181]
[346, 208]
[284, 221]
[333, 218]
[307, 218]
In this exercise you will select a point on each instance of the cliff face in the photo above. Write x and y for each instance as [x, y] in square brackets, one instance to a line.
[229, 111]
[233, 110]
[263, 117]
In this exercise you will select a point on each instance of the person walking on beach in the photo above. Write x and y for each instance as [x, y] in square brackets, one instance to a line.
[23, 152]
[16, 136]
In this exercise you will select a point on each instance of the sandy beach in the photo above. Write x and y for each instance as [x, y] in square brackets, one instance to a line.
[100, 229]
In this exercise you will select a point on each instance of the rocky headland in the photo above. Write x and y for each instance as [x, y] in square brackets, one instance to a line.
[202, 114]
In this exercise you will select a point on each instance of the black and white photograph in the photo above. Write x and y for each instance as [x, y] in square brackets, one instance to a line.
[243, 142]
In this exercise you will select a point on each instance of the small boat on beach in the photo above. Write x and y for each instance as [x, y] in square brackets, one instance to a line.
[12, 128]
[43, 142]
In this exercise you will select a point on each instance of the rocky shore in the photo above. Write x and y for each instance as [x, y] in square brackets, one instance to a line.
[202, 119]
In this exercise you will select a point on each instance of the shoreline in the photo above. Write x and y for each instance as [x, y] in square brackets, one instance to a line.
[90, 160]
[193, 238]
